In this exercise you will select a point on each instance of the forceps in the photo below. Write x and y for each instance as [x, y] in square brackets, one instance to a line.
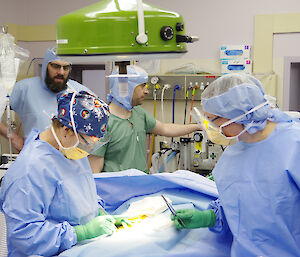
[172, 210]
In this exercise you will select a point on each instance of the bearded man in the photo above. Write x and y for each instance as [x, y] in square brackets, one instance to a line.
[33, 98]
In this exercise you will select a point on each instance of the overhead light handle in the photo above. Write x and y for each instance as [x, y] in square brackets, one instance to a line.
[141, 38]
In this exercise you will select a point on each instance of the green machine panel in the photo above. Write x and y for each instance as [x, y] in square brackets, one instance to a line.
[111, 27]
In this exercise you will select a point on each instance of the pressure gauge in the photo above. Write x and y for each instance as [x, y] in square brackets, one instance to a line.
[154, 80]
[198, 137]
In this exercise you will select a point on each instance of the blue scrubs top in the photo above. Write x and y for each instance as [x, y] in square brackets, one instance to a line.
[31, 96]
[258, 186]
[43, 195]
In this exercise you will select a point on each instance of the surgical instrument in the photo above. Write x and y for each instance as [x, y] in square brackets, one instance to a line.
[172, 210]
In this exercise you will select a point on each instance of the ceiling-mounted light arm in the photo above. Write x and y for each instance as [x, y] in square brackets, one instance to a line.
[117, 5]
[141, 38]
[122, 66]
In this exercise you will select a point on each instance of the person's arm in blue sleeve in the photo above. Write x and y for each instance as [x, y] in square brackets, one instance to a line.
[29, 228]
[221, 225]
[17, 97]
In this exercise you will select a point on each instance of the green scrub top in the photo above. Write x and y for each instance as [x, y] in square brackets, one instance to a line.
[127, 146]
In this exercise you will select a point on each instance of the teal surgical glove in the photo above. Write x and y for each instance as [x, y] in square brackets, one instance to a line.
[96, 227]
[119, 221]
[194, 218]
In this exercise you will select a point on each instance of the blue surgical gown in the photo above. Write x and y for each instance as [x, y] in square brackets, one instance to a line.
[258, 186]
[43, 195]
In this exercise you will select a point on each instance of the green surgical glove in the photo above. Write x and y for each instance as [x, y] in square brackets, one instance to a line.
[194, 219]
[96, 227]
[119, 221]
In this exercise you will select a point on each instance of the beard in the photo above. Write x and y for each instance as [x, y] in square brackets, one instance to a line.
[56, 87]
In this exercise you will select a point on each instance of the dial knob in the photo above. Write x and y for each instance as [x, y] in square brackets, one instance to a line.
[167, 33]
[179, 26]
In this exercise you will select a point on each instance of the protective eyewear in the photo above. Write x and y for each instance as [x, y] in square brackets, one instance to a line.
[209, 127]
[203, 121]
[91, 144]
[211, 130]
[58, 66]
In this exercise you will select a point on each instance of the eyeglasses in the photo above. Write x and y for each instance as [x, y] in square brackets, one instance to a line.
[58, 66]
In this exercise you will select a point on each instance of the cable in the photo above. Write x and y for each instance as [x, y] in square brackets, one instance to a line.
[152, 135]
[38, 58]
[168, 156]
[155, 163]
[192, 103]
[177, 87]
[186, 101]
[166, 86]
[162, 167]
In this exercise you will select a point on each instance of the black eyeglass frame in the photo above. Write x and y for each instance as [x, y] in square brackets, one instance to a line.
[58, 66]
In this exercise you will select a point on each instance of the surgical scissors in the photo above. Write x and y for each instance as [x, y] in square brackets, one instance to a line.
[172, 210]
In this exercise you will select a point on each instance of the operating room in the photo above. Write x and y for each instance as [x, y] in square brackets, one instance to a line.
[171, 51]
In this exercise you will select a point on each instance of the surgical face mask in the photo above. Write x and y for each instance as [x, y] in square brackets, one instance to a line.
[211, 130]
[215, 133]
[214, 136]
[73, 152]
[238, 118]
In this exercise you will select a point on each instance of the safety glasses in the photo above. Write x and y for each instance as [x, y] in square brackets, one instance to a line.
[56, 66]
[203, 121]
[91, 144]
